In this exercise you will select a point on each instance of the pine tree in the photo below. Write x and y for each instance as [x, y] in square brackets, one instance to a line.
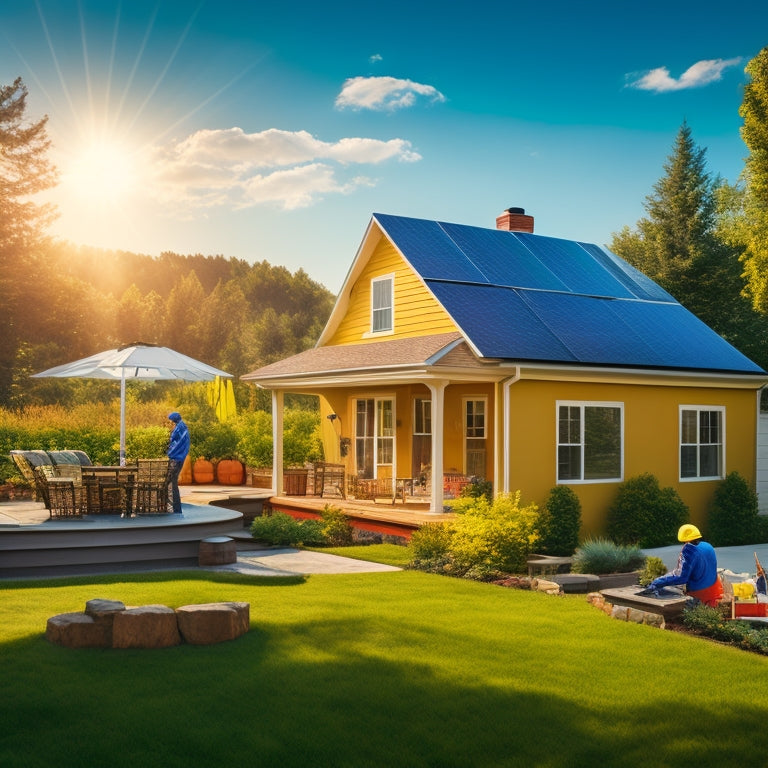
[24, 171]
[680, 246]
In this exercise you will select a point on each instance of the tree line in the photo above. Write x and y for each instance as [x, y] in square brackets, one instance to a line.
[703, 239]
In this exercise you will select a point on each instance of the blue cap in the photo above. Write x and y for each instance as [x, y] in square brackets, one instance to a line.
[175, 416]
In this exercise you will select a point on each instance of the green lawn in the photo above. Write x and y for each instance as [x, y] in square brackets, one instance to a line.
[389, 669]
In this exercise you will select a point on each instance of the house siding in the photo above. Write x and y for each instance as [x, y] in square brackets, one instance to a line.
[417, 313]
[651, 441]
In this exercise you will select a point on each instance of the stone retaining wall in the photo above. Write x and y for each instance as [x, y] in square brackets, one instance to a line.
[110, 624]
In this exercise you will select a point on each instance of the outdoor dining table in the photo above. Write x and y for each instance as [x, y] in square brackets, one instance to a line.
[109, 489]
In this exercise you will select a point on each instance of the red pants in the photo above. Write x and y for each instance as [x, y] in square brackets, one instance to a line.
[710, 596]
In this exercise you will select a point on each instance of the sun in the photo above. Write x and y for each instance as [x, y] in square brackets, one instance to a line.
[102, 173]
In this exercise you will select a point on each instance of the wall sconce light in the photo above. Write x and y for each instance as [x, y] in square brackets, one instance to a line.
[332, 417]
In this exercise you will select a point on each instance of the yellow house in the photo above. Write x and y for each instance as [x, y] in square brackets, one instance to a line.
[525, 360]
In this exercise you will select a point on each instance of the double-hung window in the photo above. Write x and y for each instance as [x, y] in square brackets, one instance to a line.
[382, 301]
[590, 439]
[702, 442]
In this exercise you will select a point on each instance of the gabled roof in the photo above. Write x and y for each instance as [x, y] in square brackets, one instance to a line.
[522, 297]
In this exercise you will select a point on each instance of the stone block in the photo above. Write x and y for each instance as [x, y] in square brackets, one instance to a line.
[148, 626]
[217, 550]
[77, 630]
[99, 606]
[208, 623]
[620, 612]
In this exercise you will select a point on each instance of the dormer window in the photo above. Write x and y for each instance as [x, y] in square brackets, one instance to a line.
[382, 301]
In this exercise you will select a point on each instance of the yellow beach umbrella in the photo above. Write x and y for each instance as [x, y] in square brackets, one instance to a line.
[221, 397]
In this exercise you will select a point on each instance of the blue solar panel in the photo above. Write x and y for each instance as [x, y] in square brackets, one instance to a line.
[503, 259]
[499, 323]
[641, 286]
[520, 296]
[574, 266]
[428, 249]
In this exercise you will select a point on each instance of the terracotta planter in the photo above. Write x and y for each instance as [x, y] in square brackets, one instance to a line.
[230, 472]
[202, 472]
[185, 476]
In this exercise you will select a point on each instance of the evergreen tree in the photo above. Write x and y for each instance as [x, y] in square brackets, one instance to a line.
[682, 246]
[24, 171]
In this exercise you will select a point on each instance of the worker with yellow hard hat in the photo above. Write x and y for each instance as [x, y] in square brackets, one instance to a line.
[696, 568]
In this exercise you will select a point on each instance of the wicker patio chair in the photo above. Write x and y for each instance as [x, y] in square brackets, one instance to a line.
[150, 487]
[62, 489]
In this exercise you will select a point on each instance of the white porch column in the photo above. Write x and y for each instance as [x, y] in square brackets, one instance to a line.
[507, 430]
[277, 441]
[437, 392]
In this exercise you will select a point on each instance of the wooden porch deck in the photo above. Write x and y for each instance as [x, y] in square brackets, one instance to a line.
[399, 519]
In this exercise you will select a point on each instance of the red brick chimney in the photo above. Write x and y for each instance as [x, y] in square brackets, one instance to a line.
[515, 220]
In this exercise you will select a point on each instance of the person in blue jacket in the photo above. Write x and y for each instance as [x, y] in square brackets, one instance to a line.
[696, 568]
[178, 448]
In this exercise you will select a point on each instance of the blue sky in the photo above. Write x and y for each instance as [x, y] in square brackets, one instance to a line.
[272, 131]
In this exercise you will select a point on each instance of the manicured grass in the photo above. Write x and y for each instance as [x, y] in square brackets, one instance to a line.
[395, 669]
[389, 554]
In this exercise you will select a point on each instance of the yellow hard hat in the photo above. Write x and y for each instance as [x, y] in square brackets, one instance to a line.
[688, 532]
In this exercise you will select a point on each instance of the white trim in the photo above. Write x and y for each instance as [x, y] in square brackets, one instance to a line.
[582, 404]
[473, 399]
[698, 408]
[391, 329]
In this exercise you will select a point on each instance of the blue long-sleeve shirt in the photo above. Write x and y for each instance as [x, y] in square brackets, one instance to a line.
[178, 447]
[696, 568]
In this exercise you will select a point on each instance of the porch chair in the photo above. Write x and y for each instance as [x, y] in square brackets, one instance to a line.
[150, 487]
[61, 489]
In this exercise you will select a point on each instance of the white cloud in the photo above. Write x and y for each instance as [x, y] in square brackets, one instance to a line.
[291, 169]
[375, 58]
[384, 93]
[696, 76]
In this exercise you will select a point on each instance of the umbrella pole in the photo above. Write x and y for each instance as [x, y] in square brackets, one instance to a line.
[122, 418]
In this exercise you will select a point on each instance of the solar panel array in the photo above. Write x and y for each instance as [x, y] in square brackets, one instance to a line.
[527, 297]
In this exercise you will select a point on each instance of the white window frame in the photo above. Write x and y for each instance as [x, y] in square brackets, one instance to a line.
[698, 477]
[465, 402]
[376, 281]
[582, 405]
[425, 405]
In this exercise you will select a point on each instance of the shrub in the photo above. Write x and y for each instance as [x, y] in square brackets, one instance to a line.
[430, 548]
[602, 556]
[476, 488]
[711, 622]
[489, 537]
[733, 513]
[654, 567]
[560, 522]
[644, 514]
[146, 442]
[336, 528]
[283, 530]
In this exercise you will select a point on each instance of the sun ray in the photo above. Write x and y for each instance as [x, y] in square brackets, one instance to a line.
[56, 63]
[172, 57]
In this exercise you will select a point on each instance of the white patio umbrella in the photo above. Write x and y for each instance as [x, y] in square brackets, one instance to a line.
[137, 361]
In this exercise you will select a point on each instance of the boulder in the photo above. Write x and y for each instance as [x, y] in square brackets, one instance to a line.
[208, 623]
[148, 626]
[77, 630]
